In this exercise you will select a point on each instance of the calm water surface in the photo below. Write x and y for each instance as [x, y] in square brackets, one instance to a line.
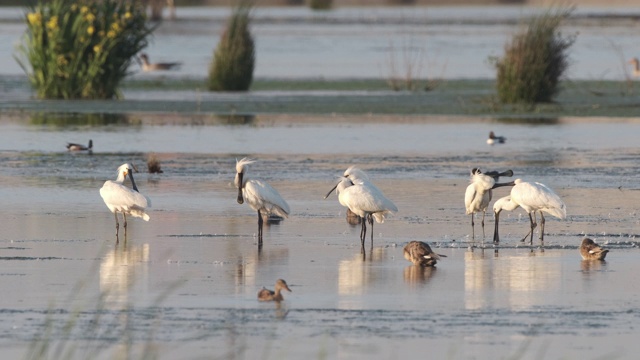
[185, 283]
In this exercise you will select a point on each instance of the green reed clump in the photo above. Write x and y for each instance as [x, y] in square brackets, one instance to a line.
[81, 49]
[534, 60]
[234, 57]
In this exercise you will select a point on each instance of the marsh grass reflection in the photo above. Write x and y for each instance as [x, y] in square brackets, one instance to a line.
[528, 119]
[235, 119]
[78, 119]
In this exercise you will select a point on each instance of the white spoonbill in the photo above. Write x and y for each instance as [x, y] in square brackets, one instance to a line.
[478, 194]
[366, 201]
[357, 176]
[259, 195]
[589, 250]
[531, 197]
[121, 199]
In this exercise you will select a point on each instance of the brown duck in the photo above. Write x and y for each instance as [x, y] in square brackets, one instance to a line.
[420, 253]
[592, 251]
[268, 295]
[148, 66]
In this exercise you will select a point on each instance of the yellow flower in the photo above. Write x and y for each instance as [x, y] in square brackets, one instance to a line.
[90, 30]
[127, 15]
[115, 27]
[111, 34]
[90, 17]
[52, 24]
[34, 18]
[62, 60]
[84, 10]
[74, 7]
[96, 49]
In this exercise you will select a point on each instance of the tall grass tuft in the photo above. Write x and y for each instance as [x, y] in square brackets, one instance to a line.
[534, 60]
[234, 57]
[81, 49]
[153, 164]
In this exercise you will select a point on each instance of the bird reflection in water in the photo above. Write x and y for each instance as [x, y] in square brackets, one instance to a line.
[248, 266]
[120, 269]
[416, 274]
[281, 311]
[518, 279]
[592, 265]
[355, 273]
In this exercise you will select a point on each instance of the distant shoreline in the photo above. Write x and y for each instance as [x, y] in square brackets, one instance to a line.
[356, 3]
[406, 3]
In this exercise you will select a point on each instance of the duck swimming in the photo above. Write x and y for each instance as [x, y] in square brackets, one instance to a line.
[80, 147]
[268, 295]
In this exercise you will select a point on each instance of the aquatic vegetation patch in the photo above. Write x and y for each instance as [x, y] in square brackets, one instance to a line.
[81, 49]
[535, 60]
[234, 58]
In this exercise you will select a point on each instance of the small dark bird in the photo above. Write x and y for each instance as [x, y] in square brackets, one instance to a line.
[420, 253]
[592, 251]
[268, 295]
[493, 139]
[80, 147]
[148, 67]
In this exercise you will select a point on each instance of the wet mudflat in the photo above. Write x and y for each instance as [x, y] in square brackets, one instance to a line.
[185, 283]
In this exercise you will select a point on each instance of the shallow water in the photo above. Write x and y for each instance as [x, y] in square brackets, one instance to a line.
[185, 283]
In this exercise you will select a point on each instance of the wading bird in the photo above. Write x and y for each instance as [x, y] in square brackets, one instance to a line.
[121, 199]
[420, 253]
[148, 67]
[531, 197]
[357, 176]
[259, 195]
[493, 139]
[589, 250]
[364, 200]
[479, 194]
[80, 147]
[268, 295]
